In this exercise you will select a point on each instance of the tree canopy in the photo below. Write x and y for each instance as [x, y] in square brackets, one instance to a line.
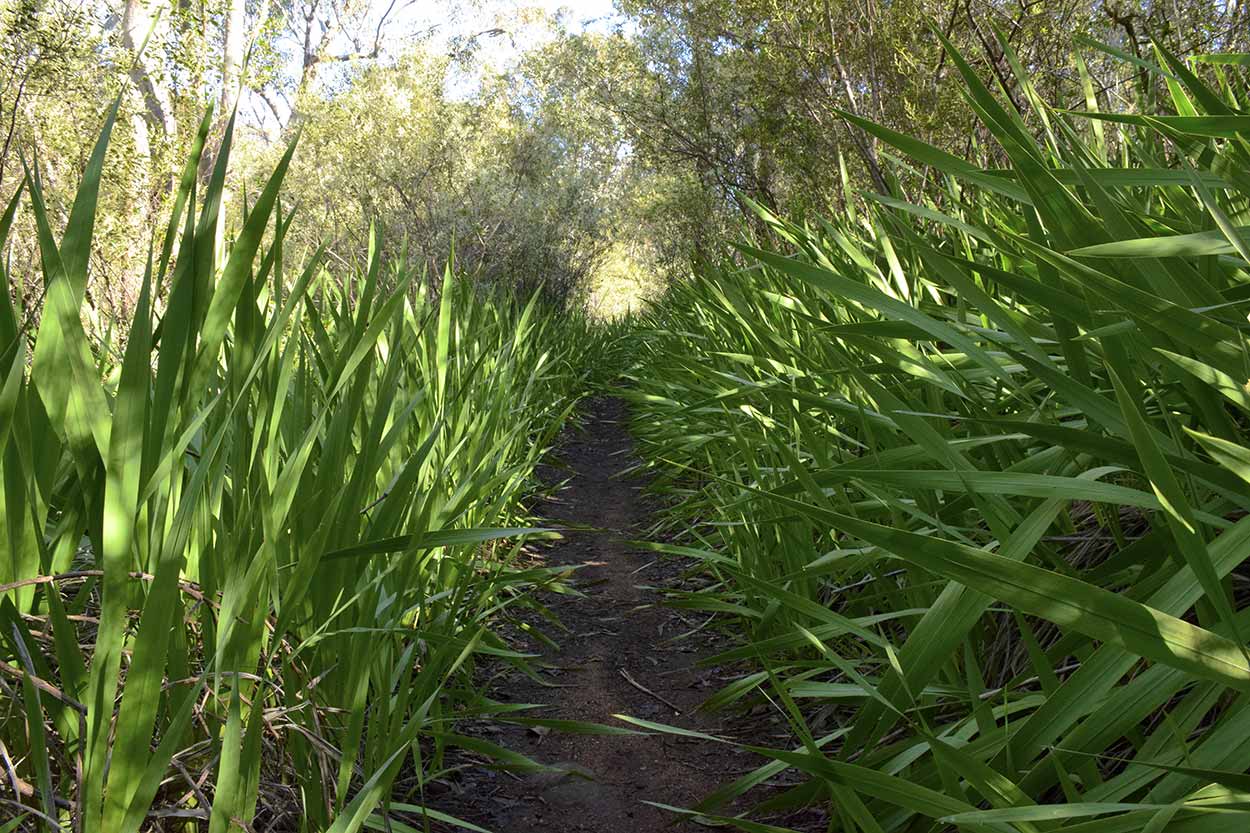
[572, 154]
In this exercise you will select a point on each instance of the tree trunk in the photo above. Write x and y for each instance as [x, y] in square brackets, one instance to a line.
[863, 143]
[232, 57]
[153, 123]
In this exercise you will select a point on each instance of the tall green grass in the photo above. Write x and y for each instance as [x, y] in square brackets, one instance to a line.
[246, 569]
[971, 474]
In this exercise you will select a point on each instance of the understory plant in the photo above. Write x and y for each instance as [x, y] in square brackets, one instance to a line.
[971, 472]
[251, 547]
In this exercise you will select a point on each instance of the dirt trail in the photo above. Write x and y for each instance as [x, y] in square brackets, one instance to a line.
[614, 631]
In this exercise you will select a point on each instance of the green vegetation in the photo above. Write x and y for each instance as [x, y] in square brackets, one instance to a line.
[933, 319]
[970, 472]
[278, 533]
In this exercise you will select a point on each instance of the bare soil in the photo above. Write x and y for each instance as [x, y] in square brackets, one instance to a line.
[618, 641]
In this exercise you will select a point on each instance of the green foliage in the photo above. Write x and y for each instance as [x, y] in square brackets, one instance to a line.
[252, 565]
[744, 97]
[645, 133]
[970, 473]
[509, 176]
[620, 284]
[968, 466]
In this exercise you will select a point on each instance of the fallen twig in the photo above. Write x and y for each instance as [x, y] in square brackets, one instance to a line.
[648, 691]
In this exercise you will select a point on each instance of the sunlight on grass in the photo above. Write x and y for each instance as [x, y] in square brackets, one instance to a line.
[622, 283]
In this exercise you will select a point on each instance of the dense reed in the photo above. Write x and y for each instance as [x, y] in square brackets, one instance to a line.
[970, 473]
[247, 565]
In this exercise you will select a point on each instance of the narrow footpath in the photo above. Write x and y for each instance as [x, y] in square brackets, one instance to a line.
[622, 653]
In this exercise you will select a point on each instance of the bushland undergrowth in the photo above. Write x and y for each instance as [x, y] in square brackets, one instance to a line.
[246, 570]
[970, 473]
